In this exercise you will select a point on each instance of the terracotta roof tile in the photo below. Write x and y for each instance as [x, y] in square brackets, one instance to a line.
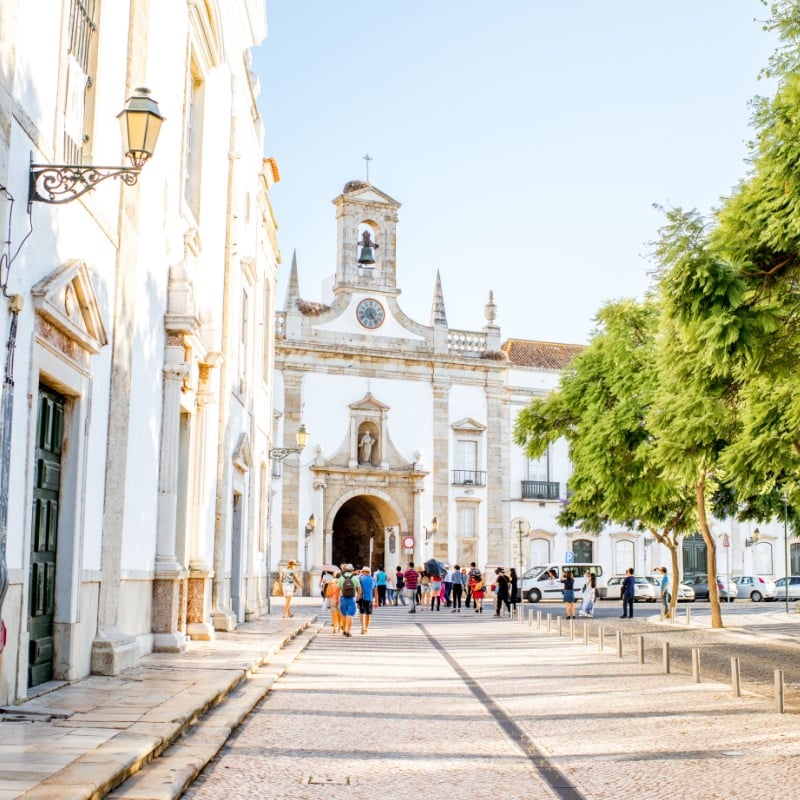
[540, 355]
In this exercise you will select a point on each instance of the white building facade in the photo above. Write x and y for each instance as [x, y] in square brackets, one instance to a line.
[409, 422]
[136, 438]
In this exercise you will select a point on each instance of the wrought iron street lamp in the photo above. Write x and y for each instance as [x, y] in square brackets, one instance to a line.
[140, 121]
[429, 532]
[753, 540]
[279, 453]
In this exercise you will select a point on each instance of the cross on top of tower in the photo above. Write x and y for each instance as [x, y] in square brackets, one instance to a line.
[367, 158]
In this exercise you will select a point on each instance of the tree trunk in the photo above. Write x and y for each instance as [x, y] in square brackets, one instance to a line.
[711, 552]
[676, 579]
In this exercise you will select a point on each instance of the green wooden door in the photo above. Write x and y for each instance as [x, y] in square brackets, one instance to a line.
[44, 536]
[695, 561]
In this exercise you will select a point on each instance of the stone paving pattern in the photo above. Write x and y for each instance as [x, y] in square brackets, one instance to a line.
[385, 715]
[389, 713]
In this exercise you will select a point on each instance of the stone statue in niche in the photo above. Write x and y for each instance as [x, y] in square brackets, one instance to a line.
[365, 448]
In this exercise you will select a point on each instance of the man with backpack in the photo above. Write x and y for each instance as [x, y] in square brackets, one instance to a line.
[349, 588]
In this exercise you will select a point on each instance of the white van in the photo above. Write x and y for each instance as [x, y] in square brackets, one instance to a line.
[542, 583]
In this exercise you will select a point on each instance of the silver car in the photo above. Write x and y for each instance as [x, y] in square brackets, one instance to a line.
[755, 587]
[727, 590]
[794, 588]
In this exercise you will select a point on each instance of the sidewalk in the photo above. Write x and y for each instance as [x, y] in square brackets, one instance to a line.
[80, 741]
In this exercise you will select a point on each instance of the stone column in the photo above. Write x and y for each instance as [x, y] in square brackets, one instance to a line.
[441, 466]
[112, 650]
[318, 509]
[292, 405]
[169, 573]
[198, 614]
[416, 521]
[498, 485]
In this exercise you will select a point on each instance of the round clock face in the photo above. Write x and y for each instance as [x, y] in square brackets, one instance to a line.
[370, 313]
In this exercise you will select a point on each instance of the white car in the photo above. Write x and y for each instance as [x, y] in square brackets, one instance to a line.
[685, 593]
[755, 587]
[644, 590]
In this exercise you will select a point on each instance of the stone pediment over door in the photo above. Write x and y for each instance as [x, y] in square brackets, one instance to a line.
[67, 300]
[468, 425]
[367, 446]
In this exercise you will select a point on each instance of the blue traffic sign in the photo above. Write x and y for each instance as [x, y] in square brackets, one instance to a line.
[569, 557]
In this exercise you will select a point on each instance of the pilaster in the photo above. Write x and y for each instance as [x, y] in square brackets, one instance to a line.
[498, 484]
[168, 594]
[290, 481]
[441, 465]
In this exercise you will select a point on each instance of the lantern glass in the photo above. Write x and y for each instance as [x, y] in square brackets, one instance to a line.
[140, 122]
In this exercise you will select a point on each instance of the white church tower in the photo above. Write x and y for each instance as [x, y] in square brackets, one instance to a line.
[408, 422]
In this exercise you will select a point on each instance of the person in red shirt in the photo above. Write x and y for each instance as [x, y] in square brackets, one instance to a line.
[411, 577]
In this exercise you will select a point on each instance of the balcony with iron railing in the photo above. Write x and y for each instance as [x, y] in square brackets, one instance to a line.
[540, 490]
[469, 477]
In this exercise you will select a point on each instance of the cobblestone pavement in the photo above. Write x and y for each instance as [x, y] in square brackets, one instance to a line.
[441, 703]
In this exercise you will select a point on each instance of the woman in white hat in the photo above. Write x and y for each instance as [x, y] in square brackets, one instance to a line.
[290, 583]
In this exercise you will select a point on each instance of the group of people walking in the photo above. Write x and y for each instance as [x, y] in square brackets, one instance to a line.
[347, 591]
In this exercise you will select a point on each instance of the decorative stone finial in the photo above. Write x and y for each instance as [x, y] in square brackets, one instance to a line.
[490, 309]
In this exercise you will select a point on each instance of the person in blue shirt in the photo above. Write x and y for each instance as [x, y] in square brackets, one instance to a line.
[665, 593]
[380, 581]
[367, 596]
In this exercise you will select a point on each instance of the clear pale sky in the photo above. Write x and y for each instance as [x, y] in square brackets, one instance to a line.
[526, 140]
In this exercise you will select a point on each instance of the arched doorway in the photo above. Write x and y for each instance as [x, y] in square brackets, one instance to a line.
[360, 522]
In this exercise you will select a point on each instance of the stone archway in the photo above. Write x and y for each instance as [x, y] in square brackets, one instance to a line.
[359, 519]
[356, 523]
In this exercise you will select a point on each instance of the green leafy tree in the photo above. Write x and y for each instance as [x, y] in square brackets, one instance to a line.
[600, 407]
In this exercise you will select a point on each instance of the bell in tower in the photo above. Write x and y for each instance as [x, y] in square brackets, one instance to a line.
[366, 257]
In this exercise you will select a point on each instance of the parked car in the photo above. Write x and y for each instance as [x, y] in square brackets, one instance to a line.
[727, 590]
[794, 588]
[755, 587]
[685, 593]
[645, 591]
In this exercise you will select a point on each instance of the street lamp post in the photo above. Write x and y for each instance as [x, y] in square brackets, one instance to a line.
[430, 532]
[280, 453]
[787, 569]
[310, 525]
[140, 123]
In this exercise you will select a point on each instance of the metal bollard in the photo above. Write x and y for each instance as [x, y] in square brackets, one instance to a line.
[672, 616]
[662, 614]
[665, 657]
[560, 626]
[688, 615]
[736, 677]
[586, 633]
[780, 697]
[640, 644]
[549, 621]
[619, 644]
[696, 664]
[601, 638]
[539, 620]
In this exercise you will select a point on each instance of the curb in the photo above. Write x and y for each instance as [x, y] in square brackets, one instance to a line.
[139, 762]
